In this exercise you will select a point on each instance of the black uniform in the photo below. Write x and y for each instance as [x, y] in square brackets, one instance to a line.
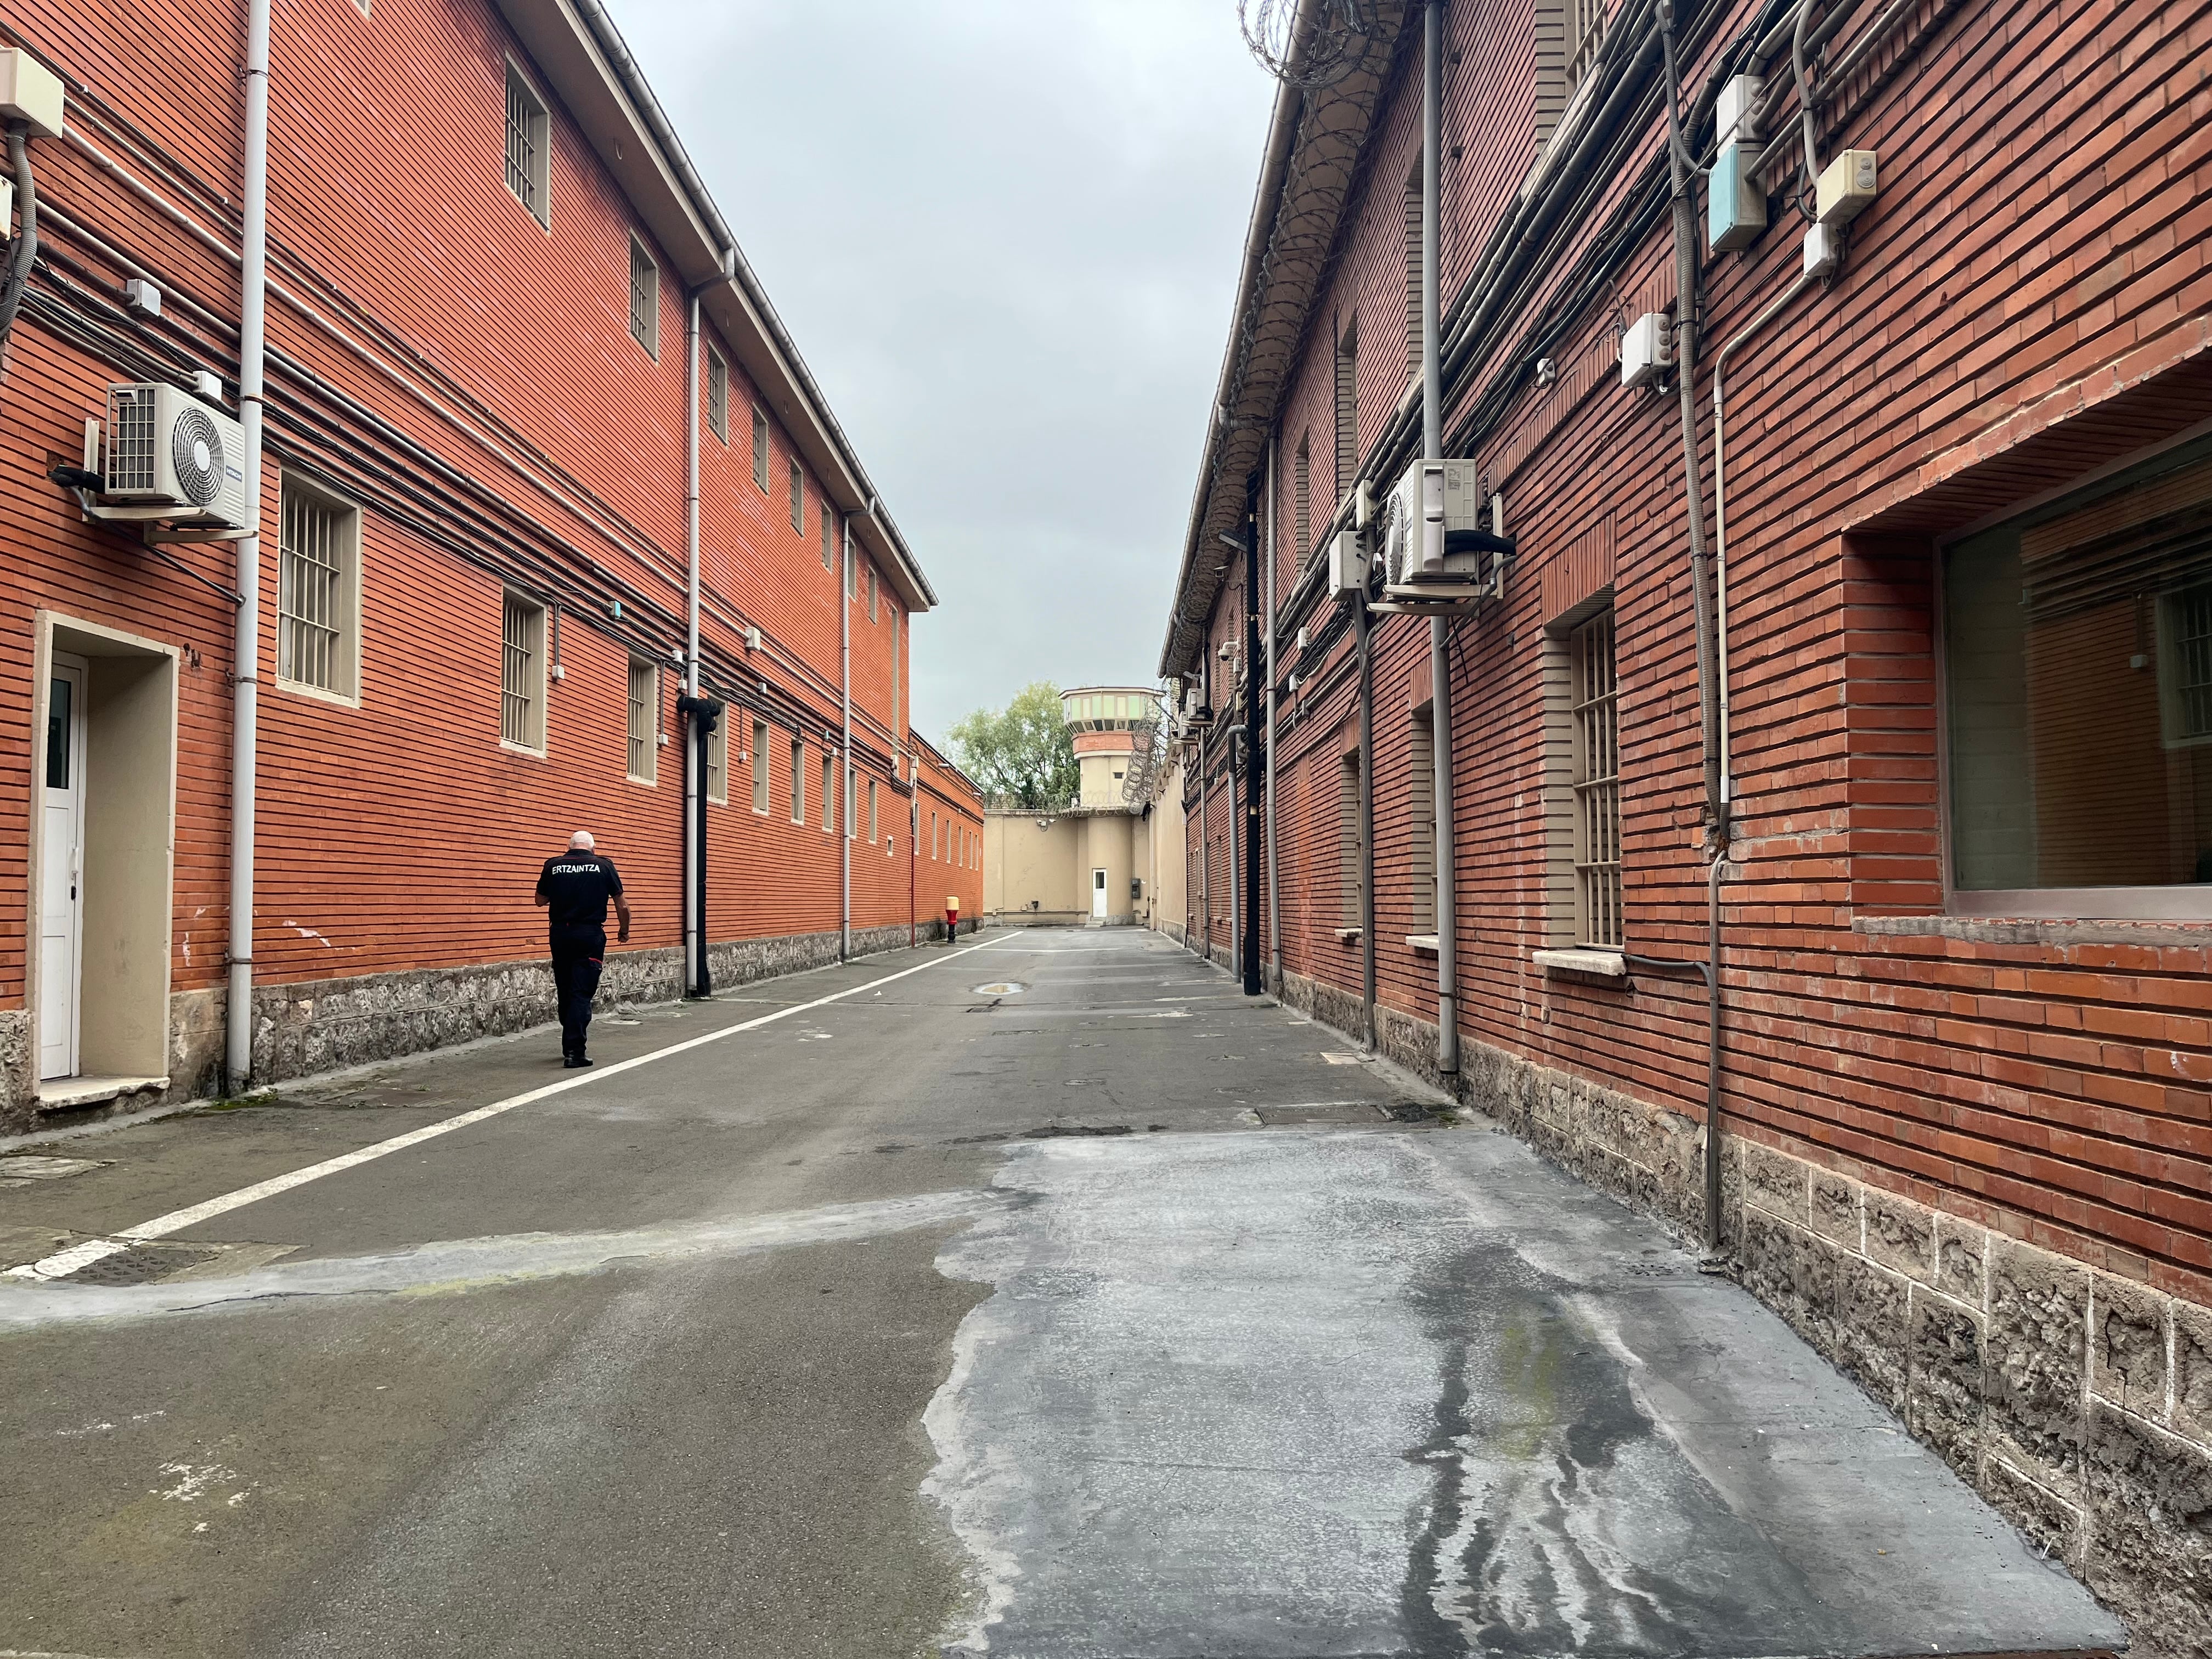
[576, 887]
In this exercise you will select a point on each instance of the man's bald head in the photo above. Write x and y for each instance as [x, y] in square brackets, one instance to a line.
[580, 841]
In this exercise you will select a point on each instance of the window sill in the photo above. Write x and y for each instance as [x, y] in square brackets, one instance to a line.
[1609, 964]
[1427, 945]
[317, 694]
[2018, 929]
[519, 749]
[1346, 935]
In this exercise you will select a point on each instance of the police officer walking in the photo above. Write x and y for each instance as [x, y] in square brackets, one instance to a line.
[574, 889]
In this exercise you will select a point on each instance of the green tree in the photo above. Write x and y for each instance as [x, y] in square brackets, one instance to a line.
[1022, 754]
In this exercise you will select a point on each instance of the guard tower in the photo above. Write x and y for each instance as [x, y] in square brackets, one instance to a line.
[1110, 724]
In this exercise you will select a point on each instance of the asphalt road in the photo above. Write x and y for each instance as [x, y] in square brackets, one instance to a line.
[1038, 1296]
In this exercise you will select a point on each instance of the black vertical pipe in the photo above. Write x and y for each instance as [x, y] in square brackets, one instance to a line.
[702, 977]
[1254, 745]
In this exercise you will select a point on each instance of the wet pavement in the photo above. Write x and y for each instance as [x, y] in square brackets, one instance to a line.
[1037, 1296]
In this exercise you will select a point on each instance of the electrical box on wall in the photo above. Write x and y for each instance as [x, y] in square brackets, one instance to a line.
[1845, 189]
[30, 93]
[1647, 351]
[1348, 564]
[1732, 109]
[1823, 250]
[1735, 207]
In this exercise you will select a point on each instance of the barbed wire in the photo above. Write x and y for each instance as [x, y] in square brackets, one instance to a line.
[1336, 45]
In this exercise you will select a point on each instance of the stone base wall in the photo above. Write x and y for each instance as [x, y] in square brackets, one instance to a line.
[2078, 1403]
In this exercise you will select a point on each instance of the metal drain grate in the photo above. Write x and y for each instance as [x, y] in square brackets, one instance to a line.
[143, 1264]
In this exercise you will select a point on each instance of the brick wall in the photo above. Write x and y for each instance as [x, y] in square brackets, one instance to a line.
[2026, 302]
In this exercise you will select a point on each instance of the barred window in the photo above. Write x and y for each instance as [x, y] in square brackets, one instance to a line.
[717, 762]
[644, 720]
[1302, 498]
[718, 394]
[829, 793]
[829, 559]
[871, 810]
[318, 589]
[522, 673]
[872, 593]
[760, 448]
[1347, 408]
[798, 498]
[526, 145]
[798, 781]
[1421, 785]
[760, 767]
[644, 298]
[1351, 865]
[1596, 717]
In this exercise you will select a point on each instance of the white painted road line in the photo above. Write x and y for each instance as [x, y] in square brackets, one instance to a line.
[63, 1263]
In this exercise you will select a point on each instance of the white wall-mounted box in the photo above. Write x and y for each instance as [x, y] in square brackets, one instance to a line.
[30, 93]
[1732, 117]
[1647, 351]
[1845, 188]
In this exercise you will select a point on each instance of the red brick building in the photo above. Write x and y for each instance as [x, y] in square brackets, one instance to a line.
[484, 246]
[1954, 493]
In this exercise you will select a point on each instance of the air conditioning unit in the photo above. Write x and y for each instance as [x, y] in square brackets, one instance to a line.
[1435, 548]
[166, 449]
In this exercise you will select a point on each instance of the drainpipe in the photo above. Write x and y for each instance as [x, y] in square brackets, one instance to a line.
[1366, 655]
[695, 746]
[1433, 448]
[1254, 689]
[245, 654]
[1275, 906]
[843, 784]
[912, 858]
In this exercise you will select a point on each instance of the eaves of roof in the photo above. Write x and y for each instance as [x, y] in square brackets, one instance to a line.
[1315, 142]
[576, 46]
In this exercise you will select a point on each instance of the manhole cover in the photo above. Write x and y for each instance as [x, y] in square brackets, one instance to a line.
[143, 1264]
[998, 988]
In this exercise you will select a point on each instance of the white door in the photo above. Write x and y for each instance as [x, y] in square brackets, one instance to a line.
[1099, 894]
[61, 871]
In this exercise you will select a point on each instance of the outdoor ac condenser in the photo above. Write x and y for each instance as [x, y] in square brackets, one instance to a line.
[164, 448]
[1431, 501]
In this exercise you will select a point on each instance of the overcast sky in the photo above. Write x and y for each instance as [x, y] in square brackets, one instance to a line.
[1005, 235]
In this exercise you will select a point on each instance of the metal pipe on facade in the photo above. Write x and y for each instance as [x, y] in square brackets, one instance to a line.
[1253, 690]
[1433, 449]
[1274, 903]
[1686, 372]
[844, 784]
[1364, 649]
[695, 730]
[246, 653]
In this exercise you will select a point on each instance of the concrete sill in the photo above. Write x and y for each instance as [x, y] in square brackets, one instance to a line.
[64, 1094]
[1427, 944]
[1346, 935]
[1609, 963]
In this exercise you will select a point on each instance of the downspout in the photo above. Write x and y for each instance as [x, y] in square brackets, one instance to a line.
[912, 858]
[1363, 647]
[1433, 449]
[1254, 749]
[1708, 687]
[1275, 906]
[843, 783]
[1204, 860]
[246, 651]
[696, 736]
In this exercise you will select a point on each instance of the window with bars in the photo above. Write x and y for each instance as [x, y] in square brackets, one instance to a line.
[718, 762]
[1302, 498]
[852, 801]
[829, 793]
[1350, 864]
[760, 448]
[1347, 408]
[1594, 715]
[1413, 273]
[522, 673]
[760, 768]
[527, 159]
[318, 592]
[872, 593]
[1570, 34]
[644, 298]
[798, 781]
[828, 533]
[644, 720]
[798, 499]
[718, 394]
[1421, 829]
[872, 825]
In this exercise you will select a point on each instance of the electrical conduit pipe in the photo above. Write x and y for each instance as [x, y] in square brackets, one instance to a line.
[1433, 449]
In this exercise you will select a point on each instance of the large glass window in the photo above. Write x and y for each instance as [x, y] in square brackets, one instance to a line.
[2077, 645]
